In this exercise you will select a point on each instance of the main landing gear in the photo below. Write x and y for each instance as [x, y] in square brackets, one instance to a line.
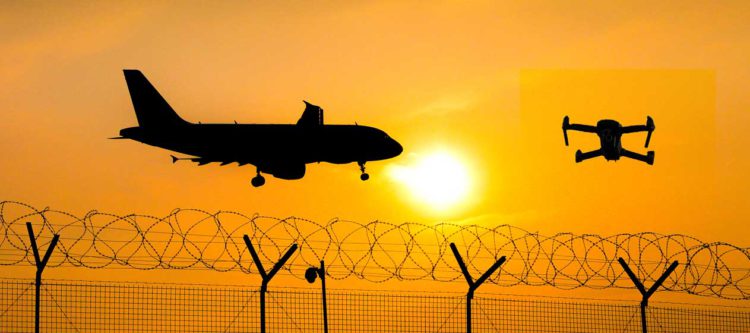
[364, 176]
[258, 180]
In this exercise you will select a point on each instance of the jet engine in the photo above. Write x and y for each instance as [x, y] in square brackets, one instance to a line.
[287, 171]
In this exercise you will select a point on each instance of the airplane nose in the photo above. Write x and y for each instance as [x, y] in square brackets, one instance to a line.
[397, 148]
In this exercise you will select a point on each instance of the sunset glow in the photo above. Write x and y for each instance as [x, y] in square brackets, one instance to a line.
[437, 180]
[474, 92]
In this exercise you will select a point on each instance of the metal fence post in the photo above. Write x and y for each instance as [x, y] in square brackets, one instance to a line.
[473, 285]
[266, 276]
[646, 294]
[40, 264]
[310, 275]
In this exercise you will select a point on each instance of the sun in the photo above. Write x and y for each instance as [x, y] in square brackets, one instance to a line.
[439, 180]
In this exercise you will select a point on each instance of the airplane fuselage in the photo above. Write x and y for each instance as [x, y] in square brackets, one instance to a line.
[277, 149]
[271, 146]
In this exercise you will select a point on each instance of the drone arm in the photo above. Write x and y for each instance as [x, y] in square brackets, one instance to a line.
[634, 128]
[587, 155]
[649, 127]
[582, 128]
[643, 158]
[576, 127]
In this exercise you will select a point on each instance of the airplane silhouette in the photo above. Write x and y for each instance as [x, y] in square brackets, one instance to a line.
[278, 149]
[610, 134]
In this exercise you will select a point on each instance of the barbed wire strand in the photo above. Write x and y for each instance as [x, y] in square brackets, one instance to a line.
[375, 251]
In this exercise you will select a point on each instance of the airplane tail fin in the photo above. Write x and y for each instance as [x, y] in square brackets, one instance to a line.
[150, 107]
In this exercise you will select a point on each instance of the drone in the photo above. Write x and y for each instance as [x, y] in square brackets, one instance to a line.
[610, 134]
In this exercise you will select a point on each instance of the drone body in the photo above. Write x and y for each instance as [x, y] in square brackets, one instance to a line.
[610, 137]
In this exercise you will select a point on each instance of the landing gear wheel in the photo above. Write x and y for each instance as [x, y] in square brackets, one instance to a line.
[258, 181]
[364, 176]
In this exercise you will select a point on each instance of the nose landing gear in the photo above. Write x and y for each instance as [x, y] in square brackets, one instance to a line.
[364, 176]
[258, 180]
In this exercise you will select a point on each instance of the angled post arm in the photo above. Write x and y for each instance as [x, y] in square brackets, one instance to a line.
[489, 272]
[282, 261]
[661, 279]
[32, 238]
[266, 277]
[646, 294]
[473, 285]
[632, 276]
[461, 264]
[256, 259]
[40, 265]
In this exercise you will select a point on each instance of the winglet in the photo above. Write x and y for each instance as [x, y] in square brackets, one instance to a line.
[312, 116]
[174, 159]
[565, 126]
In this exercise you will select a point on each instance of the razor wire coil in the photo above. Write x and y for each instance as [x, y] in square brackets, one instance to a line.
[375, 251]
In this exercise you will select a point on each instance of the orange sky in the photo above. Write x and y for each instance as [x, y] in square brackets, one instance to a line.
[489, 82]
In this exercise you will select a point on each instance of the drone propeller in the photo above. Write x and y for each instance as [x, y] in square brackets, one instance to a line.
[566, 125]
[650, 126]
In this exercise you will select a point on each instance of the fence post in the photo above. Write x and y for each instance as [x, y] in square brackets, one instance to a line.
[310, 275]
[40, 264]
[266, 276]
[473, 285]
[646, 294]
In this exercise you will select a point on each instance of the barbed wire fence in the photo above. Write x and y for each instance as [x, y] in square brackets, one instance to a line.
[106, 306]
[377, 251]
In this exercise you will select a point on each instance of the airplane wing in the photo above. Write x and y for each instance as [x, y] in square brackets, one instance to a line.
[206, 160]
[312, 116]
[283, 169]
